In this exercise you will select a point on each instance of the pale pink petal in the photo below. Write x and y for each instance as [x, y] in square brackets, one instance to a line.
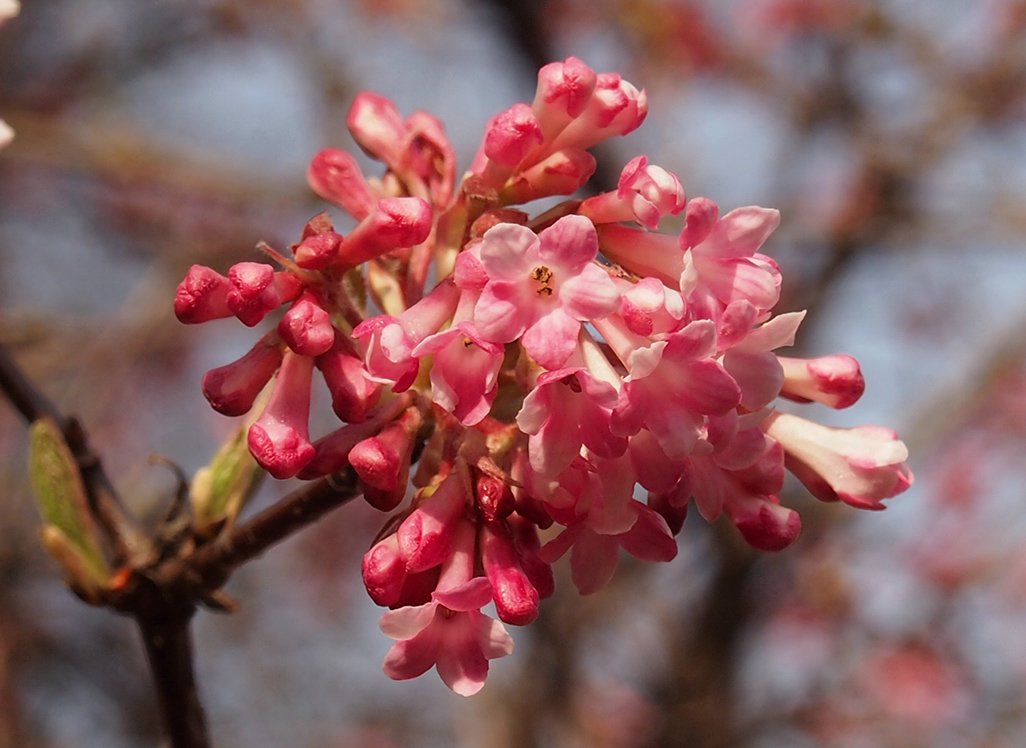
[759, 375]
[407, 622]
[778, 332]
[461, 663]
[589, 295]
[741, 232]
[570, 243]
[503, 312]
[493, 638]
[471, 595]
[593, 561]
[507, 251]
[649, 538]
[413, 657]
[552, 338]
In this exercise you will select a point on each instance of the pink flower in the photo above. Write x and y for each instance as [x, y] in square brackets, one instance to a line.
[335, 176]
[861, 466]
[595, 556]
[756, 370]
[465, 372]
[644, 194]
[542, 286]
[721, 259]
[568, 408]
[672, 385]
[564, 90]
[450, 632]
[389, 349]
[650, 308]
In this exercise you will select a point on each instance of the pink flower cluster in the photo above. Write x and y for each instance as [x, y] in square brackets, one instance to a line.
[567, 382]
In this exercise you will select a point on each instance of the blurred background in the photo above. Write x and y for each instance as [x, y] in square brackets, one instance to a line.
[890, 134]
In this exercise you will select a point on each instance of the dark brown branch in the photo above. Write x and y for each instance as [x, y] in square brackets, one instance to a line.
[209, 567]
[168, 646]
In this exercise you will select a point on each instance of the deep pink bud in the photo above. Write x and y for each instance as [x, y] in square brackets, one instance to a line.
[336, 177]
[332, 451]
[564, 90]
[231, 389]
[511, 135]
[615, 108]
[527, 543]
[256, 289]
[384, 571]
[429, 157]
[279, 439]
[494, 497]
[426, 536]
[306, 328]
[202, 296]
[516, 599]
[835, 380]
[353, 393]
[562, 173]
[377, 126]
[319, 246]
[396, 222]
[383, 461]
[762, 521]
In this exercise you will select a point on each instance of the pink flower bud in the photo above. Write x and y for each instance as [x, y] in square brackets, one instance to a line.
[564, 90]
[429, 157]
[762, 521]
[396, 222]
[426, 536]
[860, 466]
[645, 194]
[336, 177]
[279, 439]
[319, 246]
[377, 126]
[615, 108]
[700, 216]
[256, 289]
[509, 137]
[353, 393]
[525, 538]
[384, 571]
[835, 380]
[306, 328]
[232, 389]
[494, 498]
[516, 599]
[383, 461]
[202, 296]
[562, 173]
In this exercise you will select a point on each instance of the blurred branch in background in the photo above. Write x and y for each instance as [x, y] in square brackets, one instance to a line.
[885, 132]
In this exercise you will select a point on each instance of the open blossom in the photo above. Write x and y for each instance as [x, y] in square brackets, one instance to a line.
[541, 287]
[576, 375]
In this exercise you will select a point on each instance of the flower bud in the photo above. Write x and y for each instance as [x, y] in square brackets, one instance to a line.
[384, 571]
[562, 173]
[202, 296]
[256, 289]
[564, 90]
[233, 388]
[762, 521]
[835, 380]
[516, 599]
[353, 393]
[335, 176]
[860, 466]
[279, 440]
[306, 328]
[318, 249]
[396, 222]
[376, 126]
[426, 536]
